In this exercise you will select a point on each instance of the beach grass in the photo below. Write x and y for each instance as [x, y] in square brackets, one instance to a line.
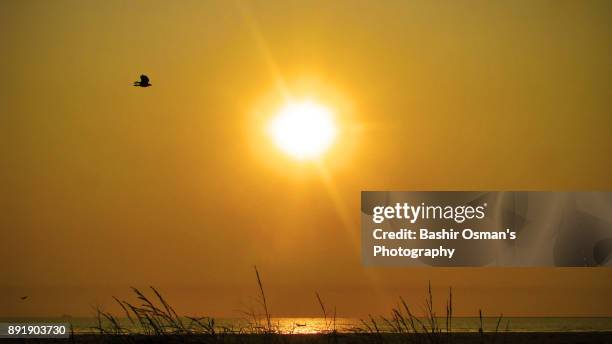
[153, 316]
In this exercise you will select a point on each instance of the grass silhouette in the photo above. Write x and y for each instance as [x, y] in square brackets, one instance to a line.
[152, 316]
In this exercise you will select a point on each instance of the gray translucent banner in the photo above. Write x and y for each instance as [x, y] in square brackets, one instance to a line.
[515, 228]
[34, 330]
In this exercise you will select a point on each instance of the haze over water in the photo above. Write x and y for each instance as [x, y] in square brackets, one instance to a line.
[349, 325]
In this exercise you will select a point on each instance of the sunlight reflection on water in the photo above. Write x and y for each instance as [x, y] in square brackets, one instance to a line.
[307, 325]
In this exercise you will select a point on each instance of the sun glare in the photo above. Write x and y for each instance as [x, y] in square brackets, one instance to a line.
[304, 130]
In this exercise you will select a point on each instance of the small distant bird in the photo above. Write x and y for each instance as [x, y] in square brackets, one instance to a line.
[144, 81]
[23, 297]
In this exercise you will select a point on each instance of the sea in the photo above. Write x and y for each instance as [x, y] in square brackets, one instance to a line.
[351, 325]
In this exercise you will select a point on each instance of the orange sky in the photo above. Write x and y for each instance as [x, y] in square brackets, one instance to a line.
[105, 185]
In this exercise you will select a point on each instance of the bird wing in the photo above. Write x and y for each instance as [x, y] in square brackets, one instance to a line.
[144, 79]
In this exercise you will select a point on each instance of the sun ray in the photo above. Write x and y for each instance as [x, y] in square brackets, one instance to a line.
[340, 208]
[264, 49]
[349, 226]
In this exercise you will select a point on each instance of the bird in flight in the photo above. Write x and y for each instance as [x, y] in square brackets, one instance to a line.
[23, 297]
[144, 81]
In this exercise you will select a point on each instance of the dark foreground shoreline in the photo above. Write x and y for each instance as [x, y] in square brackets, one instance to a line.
[341, 338]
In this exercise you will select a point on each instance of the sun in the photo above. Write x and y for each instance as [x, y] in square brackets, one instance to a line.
[304, 130]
